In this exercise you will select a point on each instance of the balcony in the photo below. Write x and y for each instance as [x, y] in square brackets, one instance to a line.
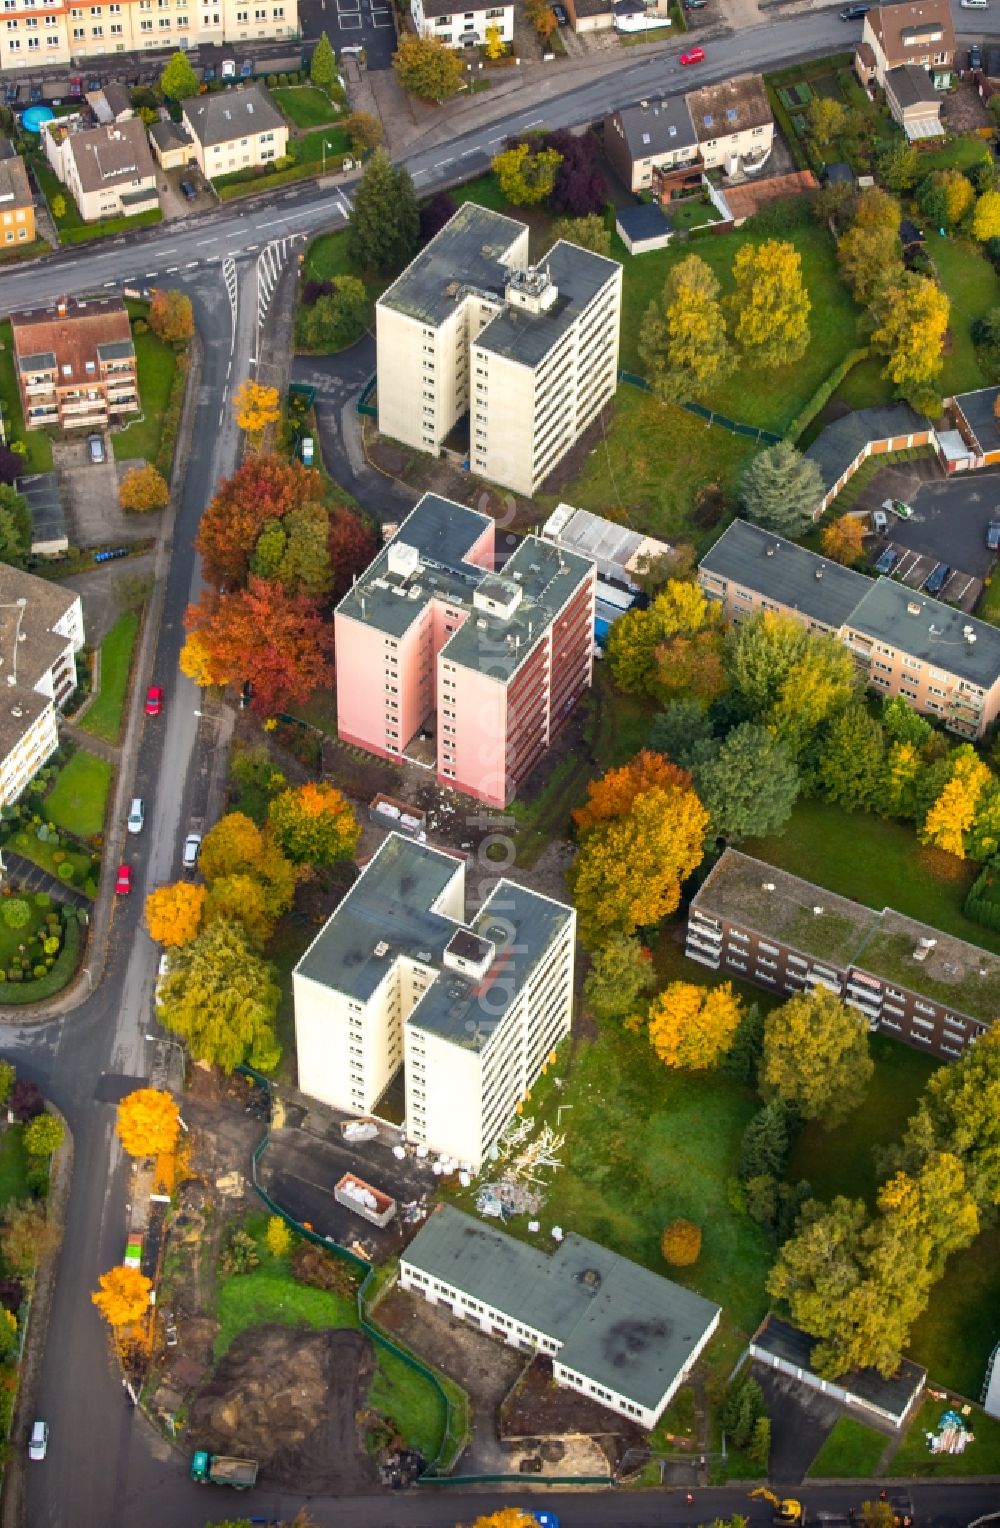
[693, 953]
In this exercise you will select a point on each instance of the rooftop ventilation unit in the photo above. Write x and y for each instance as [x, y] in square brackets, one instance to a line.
[381, 949]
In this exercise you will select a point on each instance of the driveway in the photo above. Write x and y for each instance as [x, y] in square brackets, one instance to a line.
[90, 493]
[801, 1420]
[367, 24]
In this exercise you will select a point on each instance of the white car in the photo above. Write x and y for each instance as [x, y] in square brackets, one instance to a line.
[136, 815]
[192, 848]
[39, 1442]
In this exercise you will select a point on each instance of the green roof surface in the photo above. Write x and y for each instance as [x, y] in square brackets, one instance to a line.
[619, 1325]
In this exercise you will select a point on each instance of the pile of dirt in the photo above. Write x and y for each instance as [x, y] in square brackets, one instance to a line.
[288, 1399]
[537, 1407]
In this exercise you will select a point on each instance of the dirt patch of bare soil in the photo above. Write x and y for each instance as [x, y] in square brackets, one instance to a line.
[539, 1408]
[288, 1399]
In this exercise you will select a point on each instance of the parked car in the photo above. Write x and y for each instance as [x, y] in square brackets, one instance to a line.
[897, 507]
[75, 85]
[94, 82]
[9, 95]
[993, 535]
[154, 700]
[937, 578]
[208, 75]
[559, 12]
[854, 12]
[95, 448]
[229, 68]
[188, 191]
[36, 94]
[880, 522]
[136, 815]
[975, 56]
[39, 1441]
[192, 848]
[123, 881]
[246, 70]
[887, 561]
[693, 56]
[695, 5]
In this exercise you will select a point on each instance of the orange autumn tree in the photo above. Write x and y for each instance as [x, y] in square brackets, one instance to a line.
[693, 1027]
[174, 913]
[143, 489]
[844, 540]
[262, 490]
[953, 813]
[681, 1243]
[280, 640]
[123, 1296]
[313, 824]
[148, 1123]
[507, 1517]
[614, 794]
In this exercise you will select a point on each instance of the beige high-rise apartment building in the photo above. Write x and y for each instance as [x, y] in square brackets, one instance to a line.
[499, 362]
[41, 32]
[399, 980]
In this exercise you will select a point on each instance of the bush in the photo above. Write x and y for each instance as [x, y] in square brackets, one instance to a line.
[65, 872]
[16, 912]
[240, 1254]
[271, 81]
[38, 972]
[26, 1101]
[681, 1243]
[42, 899]
[140, 326]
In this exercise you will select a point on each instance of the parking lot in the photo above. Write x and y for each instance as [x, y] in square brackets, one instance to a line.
[949, 523]
[367, 24]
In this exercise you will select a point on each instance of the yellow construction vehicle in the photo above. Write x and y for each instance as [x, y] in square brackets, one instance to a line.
[789, 1512]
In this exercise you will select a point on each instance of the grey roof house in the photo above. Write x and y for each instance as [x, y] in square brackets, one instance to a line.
[234, 129]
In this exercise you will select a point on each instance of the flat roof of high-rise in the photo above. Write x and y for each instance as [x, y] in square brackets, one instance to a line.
[468, 252]
[526, 337]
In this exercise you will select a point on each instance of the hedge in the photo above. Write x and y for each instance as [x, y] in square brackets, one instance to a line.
[171, 421]
[783, 118]
[227, 189]
[112, 226]
[981, 908]
[826, 389]
[55, 979]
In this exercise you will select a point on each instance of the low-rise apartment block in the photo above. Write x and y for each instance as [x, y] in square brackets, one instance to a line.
[75, 364]
[461, 29]
[234, 130]
[665, 144]
[911, 981]
[465, 669]
[613, 1330]
[17, 209]
[108, 171]
[944, 663]
[41, 631]
[469, 1011]
[500, 364]
[64, 33]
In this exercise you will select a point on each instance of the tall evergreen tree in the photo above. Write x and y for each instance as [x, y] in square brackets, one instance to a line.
[323, 66]
[750, 786]
[384, 229]
[781, 489]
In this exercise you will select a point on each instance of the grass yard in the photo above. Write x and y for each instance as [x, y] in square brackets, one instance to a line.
[952, 1339]
[156, 364]
[328, 257]
[309, 150]
[79, 796]
[400, 1392]
[769, 399]
[691, 212]
[644, 1145]
[851, 1452]
[38, 443]
[13, 1165]
[841, 1161]
[880, 863]
[957, 155]
[980, 1458]
[104, 717]
[269, 1293]
[305, 105]
[651, 464]
[971, 283]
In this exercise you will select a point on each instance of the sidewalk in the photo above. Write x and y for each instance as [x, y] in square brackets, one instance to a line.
[85, 740]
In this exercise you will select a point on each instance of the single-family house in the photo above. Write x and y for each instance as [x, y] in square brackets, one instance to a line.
[461, 29]
[652, 146]
[234, 130]
[733, 123]
[17, 209]
[108, 170]
[894, 35]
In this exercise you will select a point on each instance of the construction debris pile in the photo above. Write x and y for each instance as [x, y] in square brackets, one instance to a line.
[952, 1436]
[520, 1189]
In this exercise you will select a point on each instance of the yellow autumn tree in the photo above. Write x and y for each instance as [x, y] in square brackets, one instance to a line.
[174, 913]
[903, 768]
[681, 1243]
[495, 45]
[507, 1517]
[123, 1296]
[148, 1123]
[844, 540]
[770, 304]
[629, 870]
[637, 641]
[278, 1237]
[255, 406]
[683, 344]
[693, 1027]
[615, 793]
[911, 316]
[196, 662]
[143, 488]
[954, 811]
[244, 899]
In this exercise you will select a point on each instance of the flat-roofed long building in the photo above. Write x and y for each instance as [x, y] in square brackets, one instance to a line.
[761, 924]
[476, 669]
[614, 1331]
[944, 663]
[398, 978]
[502, 362]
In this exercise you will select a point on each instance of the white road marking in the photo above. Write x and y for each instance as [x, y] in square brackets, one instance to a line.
[444, 162]
[191, 265]
[171, 269]
[213, 240]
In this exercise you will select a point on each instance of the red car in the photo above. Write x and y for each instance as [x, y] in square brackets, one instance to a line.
[154, 700]
[123, 885]
[693, 56]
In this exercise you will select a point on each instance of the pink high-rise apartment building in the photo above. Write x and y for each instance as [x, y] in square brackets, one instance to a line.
[444, 659]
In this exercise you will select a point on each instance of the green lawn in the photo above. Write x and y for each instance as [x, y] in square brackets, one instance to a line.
[643, 1146]
[79, 796]
[851, 1452]
[39, 445]
[13, 1164]
[971, 283]
[305, 105]
[104, 718]
[957, 155]
[880, 863]
[400, 1392]
[156, 364]
[691, 212]
[980, 1458]
[10, 941]
[309, 150]
[40, 852]
[269, 1294]
[955, 1337]
[769, 399]
[650, 464]
[327, 257]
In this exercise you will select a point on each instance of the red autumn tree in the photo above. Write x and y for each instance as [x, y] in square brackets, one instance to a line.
[352, 545]
[278, 640]
[614, 794]
[264, 489]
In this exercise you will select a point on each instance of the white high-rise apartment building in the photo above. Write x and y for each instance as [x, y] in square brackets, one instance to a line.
[480, 353]
[471, 1010]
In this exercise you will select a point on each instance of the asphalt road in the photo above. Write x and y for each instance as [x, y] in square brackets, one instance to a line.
[106, 1468]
